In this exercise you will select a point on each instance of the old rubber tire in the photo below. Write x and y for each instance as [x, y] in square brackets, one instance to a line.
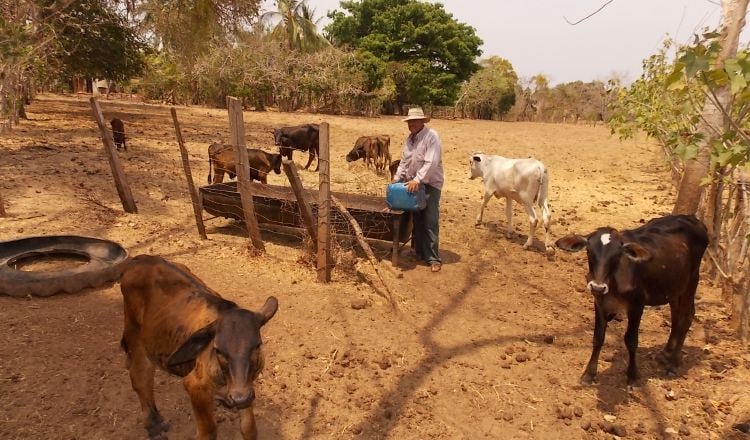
[105, 264]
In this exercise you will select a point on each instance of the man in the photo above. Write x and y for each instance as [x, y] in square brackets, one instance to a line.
[422, 163]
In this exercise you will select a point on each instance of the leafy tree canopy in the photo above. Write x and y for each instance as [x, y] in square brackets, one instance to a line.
[491, 92]
[429, 52]
[91, 40]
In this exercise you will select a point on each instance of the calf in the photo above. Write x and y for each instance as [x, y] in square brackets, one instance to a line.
[300, 137]
[118, 133]
[655, 264]
[221, 160]
[524, 180]
[366, 148]
[175, 322]
[393, 168]
[384, 153]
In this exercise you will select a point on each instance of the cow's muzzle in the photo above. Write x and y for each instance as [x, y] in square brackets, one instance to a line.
[238, 400]
[597, 288]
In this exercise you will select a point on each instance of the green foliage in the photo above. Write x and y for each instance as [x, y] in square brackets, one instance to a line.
[428, 53]
[653, 104]
[296, 26]
[92, 41]
[491, 92]
[668, 99]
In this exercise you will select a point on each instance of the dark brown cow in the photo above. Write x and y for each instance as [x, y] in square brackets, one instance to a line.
[655, 264]
[299, 137]
[221, 160]
[118, 133]
[175, 322]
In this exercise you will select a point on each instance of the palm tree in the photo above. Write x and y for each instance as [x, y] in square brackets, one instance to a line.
[296, 24]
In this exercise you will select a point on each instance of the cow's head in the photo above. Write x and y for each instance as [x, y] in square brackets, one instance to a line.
[612, 261]
[476, 165]
[234, 359]
[278, 134]
[357, 153]
[276, 163]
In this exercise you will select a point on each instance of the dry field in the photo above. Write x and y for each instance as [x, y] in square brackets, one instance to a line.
[491, 347]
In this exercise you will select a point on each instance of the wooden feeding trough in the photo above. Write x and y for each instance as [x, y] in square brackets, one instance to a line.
[277, 206]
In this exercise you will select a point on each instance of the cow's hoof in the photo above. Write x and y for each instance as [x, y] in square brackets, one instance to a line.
[478, 223]
[528, 245]
[588, 379]
[743, 427]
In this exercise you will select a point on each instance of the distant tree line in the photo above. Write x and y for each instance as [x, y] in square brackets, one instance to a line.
[375, 56]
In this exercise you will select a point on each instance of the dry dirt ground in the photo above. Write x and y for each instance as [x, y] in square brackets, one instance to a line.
[491, 347]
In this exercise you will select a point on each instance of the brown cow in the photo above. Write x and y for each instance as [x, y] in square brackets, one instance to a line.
[373, 149]
[175, 322]
[366, 148]
[384, 154]
[655, 264]
[221, 160]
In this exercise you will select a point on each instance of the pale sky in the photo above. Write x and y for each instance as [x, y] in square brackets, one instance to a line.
[534, 37]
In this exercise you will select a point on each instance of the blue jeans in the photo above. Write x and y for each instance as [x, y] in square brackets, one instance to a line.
[427, 227]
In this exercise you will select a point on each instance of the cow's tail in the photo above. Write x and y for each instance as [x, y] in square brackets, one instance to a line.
[210, 168]
[542, 195]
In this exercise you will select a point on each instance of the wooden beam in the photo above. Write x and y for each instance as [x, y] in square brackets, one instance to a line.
[237, 139]
[304, 208]
[363, 244]
[123, 189]
[324, 207]
[2, 206]
[197, 205]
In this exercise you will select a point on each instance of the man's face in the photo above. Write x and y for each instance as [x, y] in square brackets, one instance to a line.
[415, 125]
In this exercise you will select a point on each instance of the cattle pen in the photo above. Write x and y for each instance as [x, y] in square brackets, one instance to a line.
[277, 207]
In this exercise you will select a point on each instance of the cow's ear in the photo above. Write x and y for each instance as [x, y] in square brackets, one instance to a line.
[182, 361]
[636, 252]
[572, 243]
[268, 310]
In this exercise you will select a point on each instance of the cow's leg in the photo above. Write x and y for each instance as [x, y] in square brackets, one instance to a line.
[487, 197]
[631, 341]
[600, 329]
[310, 158]
[546, 222]
[247, 424]
[142, 379]
[218, 175]
[682, 318]
[533, 220]
[509, 216]
[202, 400]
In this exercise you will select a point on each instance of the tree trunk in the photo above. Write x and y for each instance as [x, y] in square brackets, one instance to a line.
[690, 191]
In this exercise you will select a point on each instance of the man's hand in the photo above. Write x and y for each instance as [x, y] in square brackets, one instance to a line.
[412, 186]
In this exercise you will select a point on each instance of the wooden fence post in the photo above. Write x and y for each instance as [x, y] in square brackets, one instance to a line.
[2, 206]
[304, 208]
[237, 139]
[324, 207]
[123, 190]
[197, 205]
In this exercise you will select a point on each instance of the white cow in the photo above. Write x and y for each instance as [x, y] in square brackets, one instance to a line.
[524, 180]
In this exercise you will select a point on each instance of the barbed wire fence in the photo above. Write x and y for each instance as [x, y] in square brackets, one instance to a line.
[278, 209]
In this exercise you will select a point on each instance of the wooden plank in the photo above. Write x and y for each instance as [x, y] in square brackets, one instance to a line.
[363, 244]
[304, 208]
[197, 208]
[237, 139]
[2, 206]
[123, 189]
[396, 234]
[324, 207]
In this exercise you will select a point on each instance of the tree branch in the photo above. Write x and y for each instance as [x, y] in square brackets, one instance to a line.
[588, 16]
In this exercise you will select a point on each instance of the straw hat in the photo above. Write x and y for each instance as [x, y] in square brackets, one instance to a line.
[416, 113]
